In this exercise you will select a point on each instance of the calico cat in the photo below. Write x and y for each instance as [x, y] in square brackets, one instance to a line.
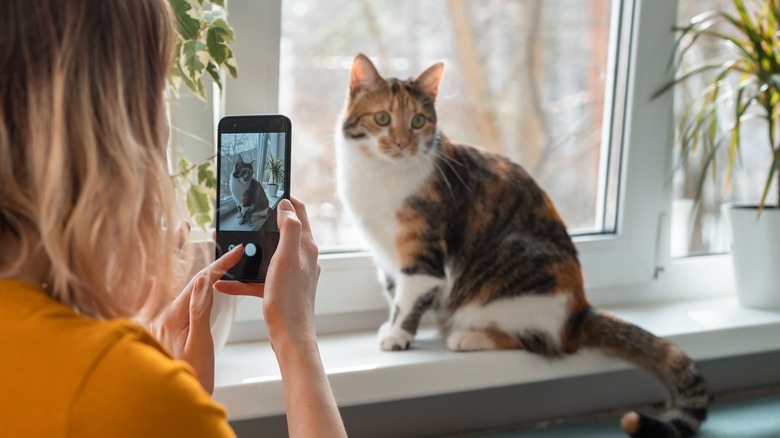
[470, 235]
[247, 191]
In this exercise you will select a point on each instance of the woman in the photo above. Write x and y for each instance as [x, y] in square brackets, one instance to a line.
[86, 209]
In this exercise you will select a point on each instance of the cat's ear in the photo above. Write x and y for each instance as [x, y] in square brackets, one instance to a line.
[428, 81]
[239, 159]
[363, 74]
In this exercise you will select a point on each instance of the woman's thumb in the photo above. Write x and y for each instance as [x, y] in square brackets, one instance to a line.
[289, 226]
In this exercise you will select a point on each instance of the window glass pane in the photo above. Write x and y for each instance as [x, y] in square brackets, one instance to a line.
[699, 191]
[525, 79]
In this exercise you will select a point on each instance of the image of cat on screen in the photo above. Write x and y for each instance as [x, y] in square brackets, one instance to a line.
[249, 186]
[248, 193]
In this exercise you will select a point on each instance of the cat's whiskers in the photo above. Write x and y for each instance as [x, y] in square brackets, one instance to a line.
[446, 161]
[441, 172]
[439, 169]
[448, 158]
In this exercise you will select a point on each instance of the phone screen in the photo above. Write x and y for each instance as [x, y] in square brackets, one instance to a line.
[253, 164]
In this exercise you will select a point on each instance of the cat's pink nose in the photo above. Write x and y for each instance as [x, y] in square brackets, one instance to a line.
[402, 144]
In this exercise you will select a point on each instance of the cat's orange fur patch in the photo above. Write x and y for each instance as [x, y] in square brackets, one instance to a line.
[486, 291]
[630, 423]
[409, 242]
[407, 246]
[548, 209]
[503, 340]
[568, 277]
[501, 168]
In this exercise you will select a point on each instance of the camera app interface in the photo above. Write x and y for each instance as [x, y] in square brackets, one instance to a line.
[251, 178]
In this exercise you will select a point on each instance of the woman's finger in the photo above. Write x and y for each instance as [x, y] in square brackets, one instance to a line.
[307, 238]
[223, 264]
[210, 274]
[239, 288]
[300, 211]
[290, 229]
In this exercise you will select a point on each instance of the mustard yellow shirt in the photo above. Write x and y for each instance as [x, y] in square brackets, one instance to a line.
[64, 375]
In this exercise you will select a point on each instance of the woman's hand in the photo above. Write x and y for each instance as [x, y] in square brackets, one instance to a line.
[185, 327]
[288, 294]
[288, 307]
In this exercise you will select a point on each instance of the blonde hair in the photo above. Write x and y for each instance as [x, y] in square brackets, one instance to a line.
[83, 131]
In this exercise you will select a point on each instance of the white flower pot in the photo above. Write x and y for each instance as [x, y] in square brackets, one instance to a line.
[755, 252]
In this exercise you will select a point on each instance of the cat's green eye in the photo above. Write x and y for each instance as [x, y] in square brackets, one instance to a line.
[382, 118]
[418, 121]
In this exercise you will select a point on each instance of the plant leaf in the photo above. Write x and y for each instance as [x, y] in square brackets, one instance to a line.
[186, 18]
[230, 65]
[184, 165]
[768, 183]
[206, 175]
[217, 38]
[199, 206]
[213, 71]
[194, 59]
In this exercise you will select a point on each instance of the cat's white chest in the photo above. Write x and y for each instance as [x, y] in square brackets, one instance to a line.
[238, 187]
[373, 190]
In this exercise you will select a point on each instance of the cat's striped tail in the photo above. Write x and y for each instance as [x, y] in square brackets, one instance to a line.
[688, 398]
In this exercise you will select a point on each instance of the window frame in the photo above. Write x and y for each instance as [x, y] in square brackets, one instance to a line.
[632, 265]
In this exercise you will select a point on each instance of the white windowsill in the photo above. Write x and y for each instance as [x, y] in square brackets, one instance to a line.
[249, 385]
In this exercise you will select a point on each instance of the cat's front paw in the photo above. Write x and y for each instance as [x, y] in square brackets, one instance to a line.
[394, 339]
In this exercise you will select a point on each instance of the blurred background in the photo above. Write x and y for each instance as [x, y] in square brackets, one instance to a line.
[522, 78]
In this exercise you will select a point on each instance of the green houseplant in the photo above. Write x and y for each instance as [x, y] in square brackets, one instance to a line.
[742, 83]
[275, 168]
[201, 51]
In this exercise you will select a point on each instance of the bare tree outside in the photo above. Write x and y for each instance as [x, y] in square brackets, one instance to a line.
[524, 78]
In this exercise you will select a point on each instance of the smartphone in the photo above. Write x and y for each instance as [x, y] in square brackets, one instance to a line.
[253, 164]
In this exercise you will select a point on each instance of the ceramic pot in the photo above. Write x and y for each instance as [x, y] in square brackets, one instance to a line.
[755, 252]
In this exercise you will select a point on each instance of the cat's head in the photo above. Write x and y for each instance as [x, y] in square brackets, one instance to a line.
[390, 119]
[243, 171]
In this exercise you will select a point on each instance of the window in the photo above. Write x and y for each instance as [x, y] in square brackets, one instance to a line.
[603, 115]
[524, 79]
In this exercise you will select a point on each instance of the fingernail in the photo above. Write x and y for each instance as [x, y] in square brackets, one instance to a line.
[286, 206]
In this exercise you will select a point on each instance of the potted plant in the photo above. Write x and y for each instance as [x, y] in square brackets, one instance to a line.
[741, 84]
[275, 168]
